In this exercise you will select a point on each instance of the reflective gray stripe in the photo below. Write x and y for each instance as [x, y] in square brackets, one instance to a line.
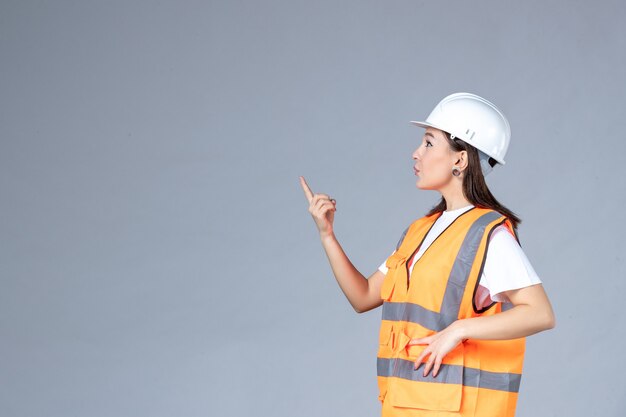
[500, 381]
[455, 288]
[457, 281]
[414, 313]
[450, 374]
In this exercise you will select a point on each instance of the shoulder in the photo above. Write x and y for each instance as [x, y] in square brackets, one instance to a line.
[506, 265]
[503, 240]
[484, 215]
[502, 223]
[402, 237]
[502, 232]
[504, 249]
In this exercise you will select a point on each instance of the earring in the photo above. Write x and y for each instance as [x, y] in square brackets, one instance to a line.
[456, 171]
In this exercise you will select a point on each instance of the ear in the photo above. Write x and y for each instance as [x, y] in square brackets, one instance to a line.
[461, 160]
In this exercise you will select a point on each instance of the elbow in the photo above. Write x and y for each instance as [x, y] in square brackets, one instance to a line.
[359, 309]
[362, 308]
[550, 321]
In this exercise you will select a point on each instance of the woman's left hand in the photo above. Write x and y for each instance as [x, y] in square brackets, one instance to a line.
[439, 344]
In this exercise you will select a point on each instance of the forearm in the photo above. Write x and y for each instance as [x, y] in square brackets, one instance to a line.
[520, 321]
[353, 284]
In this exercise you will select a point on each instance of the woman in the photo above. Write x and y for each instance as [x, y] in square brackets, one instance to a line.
[458, 294]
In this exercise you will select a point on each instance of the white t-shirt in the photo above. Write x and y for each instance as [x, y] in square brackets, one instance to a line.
[506, 267]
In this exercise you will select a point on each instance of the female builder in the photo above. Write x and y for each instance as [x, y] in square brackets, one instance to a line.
[459, 295]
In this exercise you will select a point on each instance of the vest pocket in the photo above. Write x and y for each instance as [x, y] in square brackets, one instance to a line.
[410, 389]
[395, 261]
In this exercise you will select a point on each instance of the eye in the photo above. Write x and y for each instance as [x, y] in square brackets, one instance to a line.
[428, 143]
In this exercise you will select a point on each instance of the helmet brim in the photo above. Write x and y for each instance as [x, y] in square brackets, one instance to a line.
[424, 124]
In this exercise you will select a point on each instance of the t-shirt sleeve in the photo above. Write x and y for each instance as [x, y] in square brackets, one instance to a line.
[507, 267]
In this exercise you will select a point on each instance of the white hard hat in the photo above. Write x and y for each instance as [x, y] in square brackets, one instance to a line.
[474, 120]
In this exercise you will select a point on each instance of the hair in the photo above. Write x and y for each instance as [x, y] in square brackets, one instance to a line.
[474, 186]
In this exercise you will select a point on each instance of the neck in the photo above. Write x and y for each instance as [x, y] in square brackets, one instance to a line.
[453, 194]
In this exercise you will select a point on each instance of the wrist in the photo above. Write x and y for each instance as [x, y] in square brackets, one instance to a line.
[460, 329]
[327, 236]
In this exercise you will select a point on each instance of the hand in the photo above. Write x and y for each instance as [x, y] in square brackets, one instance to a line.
[439, 345]
[321, 207]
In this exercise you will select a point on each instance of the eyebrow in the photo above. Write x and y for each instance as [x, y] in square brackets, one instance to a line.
[429, 134]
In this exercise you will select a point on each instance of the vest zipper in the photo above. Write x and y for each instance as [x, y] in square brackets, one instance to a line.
[407, 266]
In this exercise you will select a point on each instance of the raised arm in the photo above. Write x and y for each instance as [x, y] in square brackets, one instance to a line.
[363, 294]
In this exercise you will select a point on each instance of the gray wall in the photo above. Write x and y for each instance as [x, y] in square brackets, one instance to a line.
[157, 257]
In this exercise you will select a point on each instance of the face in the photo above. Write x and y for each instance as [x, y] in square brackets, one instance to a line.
[434, 160]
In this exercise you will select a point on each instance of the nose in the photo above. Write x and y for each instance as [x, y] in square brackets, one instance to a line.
[416, 153]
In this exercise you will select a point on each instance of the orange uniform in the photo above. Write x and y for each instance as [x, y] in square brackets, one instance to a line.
[478, 378]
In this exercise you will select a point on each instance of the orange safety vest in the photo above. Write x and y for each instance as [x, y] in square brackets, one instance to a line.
[478, 378]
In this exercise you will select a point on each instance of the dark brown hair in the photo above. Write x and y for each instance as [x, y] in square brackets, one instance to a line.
[474, 186]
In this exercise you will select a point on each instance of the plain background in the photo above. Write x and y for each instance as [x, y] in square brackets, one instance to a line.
[157, 257]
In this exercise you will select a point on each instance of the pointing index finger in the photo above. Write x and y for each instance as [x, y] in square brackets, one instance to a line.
[307, 191]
